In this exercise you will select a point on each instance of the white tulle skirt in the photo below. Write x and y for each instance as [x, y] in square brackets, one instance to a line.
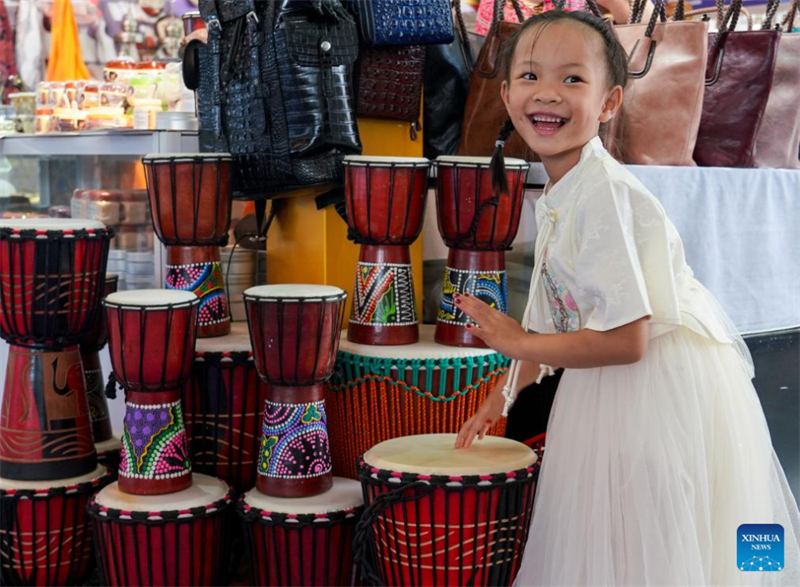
[650, 469]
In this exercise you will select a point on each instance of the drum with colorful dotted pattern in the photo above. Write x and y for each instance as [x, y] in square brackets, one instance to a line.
[151, 343]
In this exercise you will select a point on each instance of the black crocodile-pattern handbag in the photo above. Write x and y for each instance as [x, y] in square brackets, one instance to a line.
[275, 91]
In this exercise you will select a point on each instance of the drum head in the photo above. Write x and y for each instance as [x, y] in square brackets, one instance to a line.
[434, 454]
[204, 491]
[509, 162]
[379, 161]
[151, 297]
[51, 224]
[289, 292]
[426, 348]
[345, 494]
[238, 341]
[7, 484]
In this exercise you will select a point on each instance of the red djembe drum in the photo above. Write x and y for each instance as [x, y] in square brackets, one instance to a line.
[45, 537]
[190, 200]
[385, 200]
[294, 330]
[51, 282]
[223, 403]
[91, 344]
[151, 336]
[478, 227]
[437, 515]
[302, 540]
[154, 540]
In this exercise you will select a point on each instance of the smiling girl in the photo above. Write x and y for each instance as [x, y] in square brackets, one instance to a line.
[657, 446]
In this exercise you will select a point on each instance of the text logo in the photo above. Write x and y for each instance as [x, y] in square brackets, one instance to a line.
[760, 547]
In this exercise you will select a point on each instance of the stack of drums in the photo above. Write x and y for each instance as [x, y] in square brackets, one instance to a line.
[299, 521]
[158, 524]
[51, 279]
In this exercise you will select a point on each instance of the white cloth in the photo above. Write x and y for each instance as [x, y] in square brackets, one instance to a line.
[29, 49]
[650, 467]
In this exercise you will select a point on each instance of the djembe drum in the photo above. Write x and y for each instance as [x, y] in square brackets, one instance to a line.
[45, 536]
[294, 330]
[175, 539]
[190, 200]
[91, 344]
[223, 404]
[385, 200]
[151, 342]
[440, 516]
[302, 541]
[478, 227]
[51, 282]
[379, 393]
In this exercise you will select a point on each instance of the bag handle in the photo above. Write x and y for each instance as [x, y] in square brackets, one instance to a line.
[728, 25]
[769, 15]
[788, 21]
[461, 30]
[498, 14]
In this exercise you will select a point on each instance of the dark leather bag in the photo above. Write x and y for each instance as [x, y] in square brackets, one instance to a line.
[739, 78]
[403, 22]
[275, 91]
[485, 112]
[448, 69]
[778, 142]
[390, 84]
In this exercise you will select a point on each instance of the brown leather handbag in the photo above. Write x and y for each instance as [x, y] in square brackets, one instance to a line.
[778, 142]
[485, 112]
[660, 114]
[390, 84]
[738, 82]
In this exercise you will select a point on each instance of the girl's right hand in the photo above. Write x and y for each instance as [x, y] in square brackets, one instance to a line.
[491, 411]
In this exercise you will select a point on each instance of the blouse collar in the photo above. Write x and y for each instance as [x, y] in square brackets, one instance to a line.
[556, 195]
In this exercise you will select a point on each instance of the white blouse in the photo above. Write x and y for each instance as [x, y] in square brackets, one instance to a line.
[611, 256]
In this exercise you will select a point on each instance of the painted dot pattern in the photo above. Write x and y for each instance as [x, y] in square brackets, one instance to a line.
[154, 443]
[294, 441]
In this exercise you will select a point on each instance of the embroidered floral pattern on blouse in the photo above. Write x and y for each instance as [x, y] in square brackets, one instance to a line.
[563, 309]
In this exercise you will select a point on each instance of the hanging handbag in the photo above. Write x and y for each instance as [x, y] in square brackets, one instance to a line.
[738, 83]
[660, 113]
[390, 84]
[485, 112]
[778, 142]
[448, 69]
[403, 22]
[275, 91]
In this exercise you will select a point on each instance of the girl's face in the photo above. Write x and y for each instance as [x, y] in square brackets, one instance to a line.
[557, 94]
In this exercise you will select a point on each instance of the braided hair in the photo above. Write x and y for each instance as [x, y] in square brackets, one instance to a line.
[616, 71]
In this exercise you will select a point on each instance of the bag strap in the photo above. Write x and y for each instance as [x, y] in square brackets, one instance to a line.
[788, 21]
[498, 14]
[769, 15]
[461, 30]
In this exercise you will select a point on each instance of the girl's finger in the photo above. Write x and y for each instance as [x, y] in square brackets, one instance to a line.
[462, 434]
[479, 332]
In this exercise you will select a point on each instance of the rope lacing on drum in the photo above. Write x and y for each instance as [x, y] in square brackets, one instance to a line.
[364, 555]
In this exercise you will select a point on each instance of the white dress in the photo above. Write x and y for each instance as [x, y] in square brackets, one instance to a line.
[650, 468]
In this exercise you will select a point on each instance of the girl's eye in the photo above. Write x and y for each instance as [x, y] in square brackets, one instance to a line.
[529, 77]
[573, 79]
